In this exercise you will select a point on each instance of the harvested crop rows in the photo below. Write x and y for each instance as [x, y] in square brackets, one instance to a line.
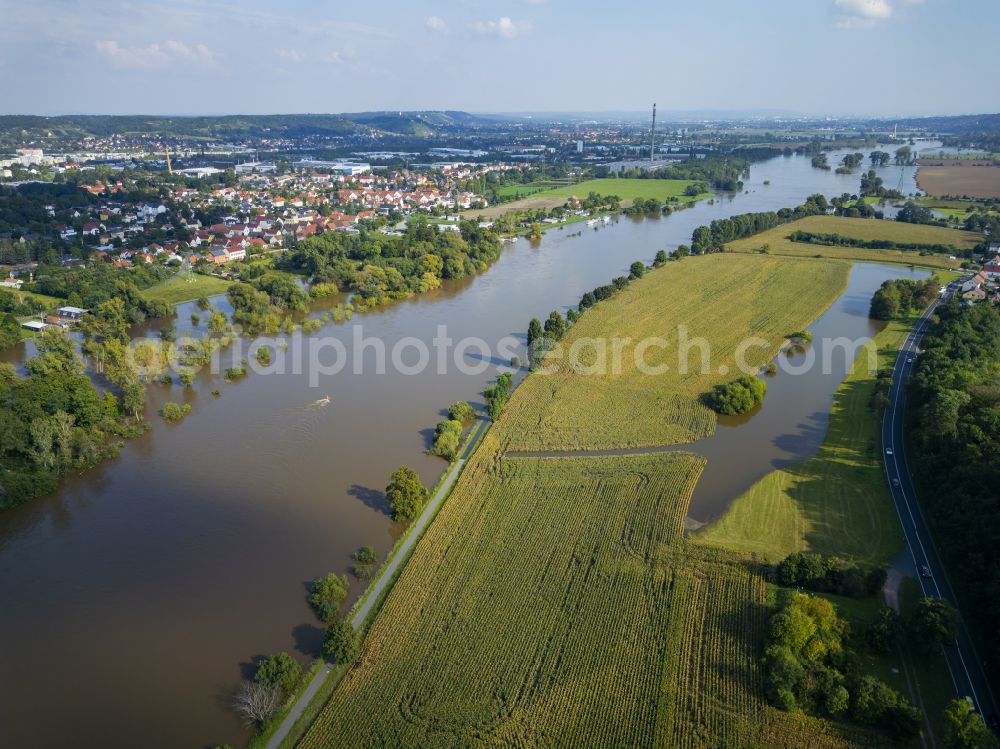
[736, 299]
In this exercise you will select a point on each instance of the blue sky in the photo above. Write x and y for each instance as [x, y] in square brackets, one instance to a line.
[887, 57]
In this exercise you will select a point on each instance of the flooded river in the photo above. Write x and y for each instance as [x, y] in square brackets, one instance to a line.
[136, 597]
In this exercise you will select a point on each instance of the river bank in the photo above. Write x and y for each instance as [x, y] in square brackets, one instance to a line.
[203, 534]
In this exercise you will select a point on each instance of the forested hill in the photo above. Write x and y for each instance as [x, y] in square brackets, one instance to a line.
[16, 130]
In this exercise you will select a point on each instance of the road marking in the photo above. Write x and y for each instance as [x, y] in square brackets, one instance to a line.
[902, 365]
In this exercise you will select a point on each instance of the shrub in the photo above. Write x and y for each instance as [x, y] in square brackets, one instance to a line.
[326, 594]
[174, 412]
[447, 439]
[341, 643]
[280, 671]
[461, 411]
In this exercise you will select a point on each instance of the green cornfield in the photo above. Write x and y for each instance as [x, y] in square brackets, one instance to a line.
[715, 303]
[555, 603]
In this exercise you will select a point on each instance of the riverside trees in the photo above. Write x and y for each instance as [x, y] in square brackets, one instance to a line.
[406, 493]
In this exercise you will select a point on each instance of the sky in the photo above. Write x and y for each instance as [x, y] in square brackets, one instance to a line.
[819, 57]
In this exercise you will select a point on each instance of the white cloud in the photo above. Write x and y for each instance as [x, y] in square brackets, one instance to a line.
[436, 24]
[503, 27]
[153, 56]
[292, 55]
[861, 14]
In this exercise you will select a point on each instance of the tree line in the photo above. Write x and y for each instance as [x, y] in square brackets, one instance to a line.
[713, 237]
[954, 420]
[839, 240]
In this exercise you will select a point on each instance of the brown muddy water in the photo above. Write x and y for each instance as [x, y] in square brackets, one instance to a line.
[137, 596]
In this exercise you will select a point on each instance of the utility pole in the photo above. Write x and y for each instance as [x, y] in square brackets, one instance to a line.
[652, 136]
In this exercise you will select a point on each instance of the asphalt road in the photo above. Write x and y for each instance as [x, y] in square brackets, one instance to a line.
[965, 665]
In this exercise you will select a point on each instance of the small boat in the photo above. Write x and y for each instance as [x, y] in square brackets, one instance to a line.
[592, 222]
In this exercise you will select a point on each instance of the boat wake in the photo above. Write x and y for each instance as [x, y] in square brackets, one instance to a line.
[318, 404]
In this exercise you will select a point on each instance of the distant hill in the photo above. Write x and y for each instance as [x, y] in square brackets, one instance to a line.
[18, 130]
[417, 123]
[961, 125]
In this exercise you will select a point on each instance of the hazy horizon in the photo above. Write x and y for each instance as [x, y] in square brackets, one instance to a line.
[837, 58]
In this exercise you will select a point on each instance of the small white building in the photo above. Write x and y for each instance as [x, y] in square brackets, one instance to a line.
[71, 313]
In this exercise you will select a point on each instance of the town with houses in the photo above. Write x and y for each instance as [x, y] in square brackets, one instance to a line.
[258, 210]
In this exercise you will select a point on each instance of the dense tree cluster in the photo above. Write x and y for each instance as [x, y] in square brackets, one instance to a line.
[954, 418]
[52, 420]
[98, 282]
[721, 172]
[911, 213]
[879, 158]
[964, 727]
[737, 397]
[901, 297]
[379, 268]
[808, 666]
[829, 575]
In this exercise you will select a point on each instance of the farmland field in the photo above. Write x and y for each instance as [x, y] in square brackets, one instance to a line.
[977, 180]
[626, 189]
[837, 502]
[735, 297]
[186, 287]
[555, 601]
[861, 229]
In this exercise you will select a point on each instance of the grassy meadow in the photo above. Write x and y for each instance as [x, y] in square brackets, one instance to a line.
[837, 502]
[187, 287]
[720, 298]
[861, 229]
[626, 189]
